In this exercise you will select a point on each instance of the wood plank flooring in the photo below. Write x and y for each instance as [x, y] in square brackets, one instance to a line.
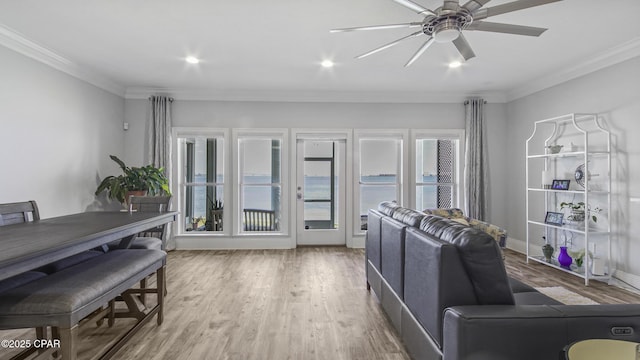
[306, 303]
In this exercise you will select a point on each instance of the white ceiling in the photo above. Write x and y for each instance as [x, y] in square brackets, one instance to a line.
[272, 48]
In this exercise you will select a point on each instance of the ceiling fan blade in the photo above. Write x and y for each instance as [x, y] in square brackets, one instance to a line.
[378, 27]
[474, 5]
[451, 5]
[506, 28]
[420, 51]
[509, 7]
[386, 46]
[415, 7]
[463, 47]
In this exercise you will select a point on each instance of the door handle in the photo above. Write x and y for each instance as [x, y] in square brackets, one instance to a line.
[299, 196]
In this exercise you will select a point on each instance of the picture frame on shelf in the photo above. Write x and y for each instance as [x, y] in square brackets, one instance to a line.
[554, 218]
[560, 184]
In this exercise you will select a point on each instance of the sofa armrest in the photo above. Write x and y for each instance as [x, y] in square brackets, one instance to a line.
[530, 332]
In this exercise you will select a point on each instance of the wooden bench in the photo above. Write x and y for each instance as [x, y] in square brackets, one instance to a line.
[61, 300]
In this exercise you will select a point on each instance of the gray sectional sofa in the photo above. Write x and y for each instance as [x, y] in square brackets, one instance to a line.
[445, 289]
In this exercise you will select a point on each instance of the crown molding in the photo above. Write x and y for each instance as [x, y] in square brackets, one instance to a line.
[312, 96]
[17, 42]
[614, 55]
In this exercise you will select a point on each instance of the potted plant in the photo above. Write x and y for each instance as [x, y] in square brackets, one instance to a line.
[578, 211]
[134, 181]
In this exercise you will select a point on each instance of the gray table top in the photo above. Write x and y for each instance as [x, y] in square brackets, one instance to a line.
[27, 246]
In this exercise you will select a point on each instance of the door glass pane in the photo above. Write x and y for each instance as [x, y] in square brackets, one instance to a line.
[317, 180]
[318, 148]
[320, 185]
[317, 211]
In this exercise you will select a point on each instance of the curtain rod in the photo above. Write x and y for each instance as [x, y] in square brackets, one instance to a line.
[467, 102]
[170, 99]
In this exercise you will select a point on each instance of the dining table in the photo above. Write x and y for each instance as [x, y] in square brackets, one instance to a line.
[30, 245]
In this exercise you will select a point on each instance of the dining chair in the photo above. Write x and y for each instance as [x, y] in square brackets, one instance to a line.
[17, 213]
[154, 238]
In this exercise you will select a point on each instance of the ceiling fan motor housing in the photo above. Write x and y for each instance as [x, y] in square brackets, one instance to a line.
[447, 25]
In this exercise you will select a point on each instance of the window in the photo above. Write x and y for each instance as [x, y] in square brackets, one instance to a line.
[260, 184]
[380, 162]
[201, 183]
[437, 175]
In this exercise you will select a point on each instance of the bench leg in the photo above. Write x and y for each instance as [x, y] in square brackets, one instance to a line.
[68, 342]
[143, 297]
[160, 288]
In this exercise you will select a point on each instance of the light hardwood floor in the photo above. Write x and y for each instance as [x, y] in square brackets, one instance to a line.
[307, 303]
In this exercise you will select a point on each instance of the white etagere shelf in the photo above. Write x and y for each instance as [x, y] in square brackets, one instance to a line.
[593, 147]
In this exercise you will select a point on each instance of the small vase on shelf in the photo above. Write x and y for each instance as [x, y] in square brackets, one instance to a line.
[547, 251]
[563, 258]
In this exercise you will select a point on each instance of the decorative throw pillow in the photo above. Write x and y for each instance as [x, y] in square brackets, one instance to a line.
[461, 221]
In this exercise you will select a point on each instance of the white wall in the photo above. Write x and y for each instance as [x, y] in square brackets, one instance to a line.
[615, 93]
[229, 114]
[56, 133]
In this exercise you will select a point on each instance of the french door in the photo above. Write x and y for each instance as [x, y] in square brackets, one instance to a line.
[320, 192]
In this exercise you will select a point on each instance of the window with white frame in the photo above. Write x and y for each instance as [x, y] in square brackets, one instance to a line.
[437, 175]
[379, 174]
[201, 178]
[260, 183]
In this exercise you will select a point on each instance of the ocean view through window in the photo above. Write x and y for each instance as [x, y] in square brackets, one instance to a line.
[202, 183]
[380, 176]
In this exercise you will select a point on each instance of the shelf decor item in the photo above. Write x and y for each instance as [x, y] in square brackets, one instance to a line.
[547, 250]
[553, 218]
[560, 184]
[563, 258]
[554, 149]
[579, 174]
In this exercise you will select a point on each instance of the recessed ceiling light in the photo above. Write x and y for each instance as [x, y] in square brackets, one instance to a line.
[327, 63]
[455, 64]
[192, 60]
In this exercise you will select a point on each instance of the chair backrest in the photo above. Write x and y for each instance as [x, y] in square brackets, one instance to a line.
[259, 220]
[149, 203]
[20, 212]
[158, 204]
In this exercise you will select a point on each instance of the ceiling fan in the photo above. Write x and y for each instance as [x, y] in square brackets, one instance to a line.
[447, 22]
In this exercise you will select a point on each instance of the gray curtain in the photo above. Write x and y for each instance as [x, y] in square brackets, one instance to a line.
[476, 168]
[159, 143]
[159, 131]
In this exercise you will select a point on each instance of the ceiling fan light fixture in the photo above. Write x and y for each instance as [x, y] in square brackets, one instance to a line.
[446, 35]
[446, 31]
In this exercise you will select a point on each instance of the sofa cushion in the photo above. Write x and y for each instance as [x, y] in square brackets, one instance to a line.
[408, 216]
[481, 258]
[388, 207]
